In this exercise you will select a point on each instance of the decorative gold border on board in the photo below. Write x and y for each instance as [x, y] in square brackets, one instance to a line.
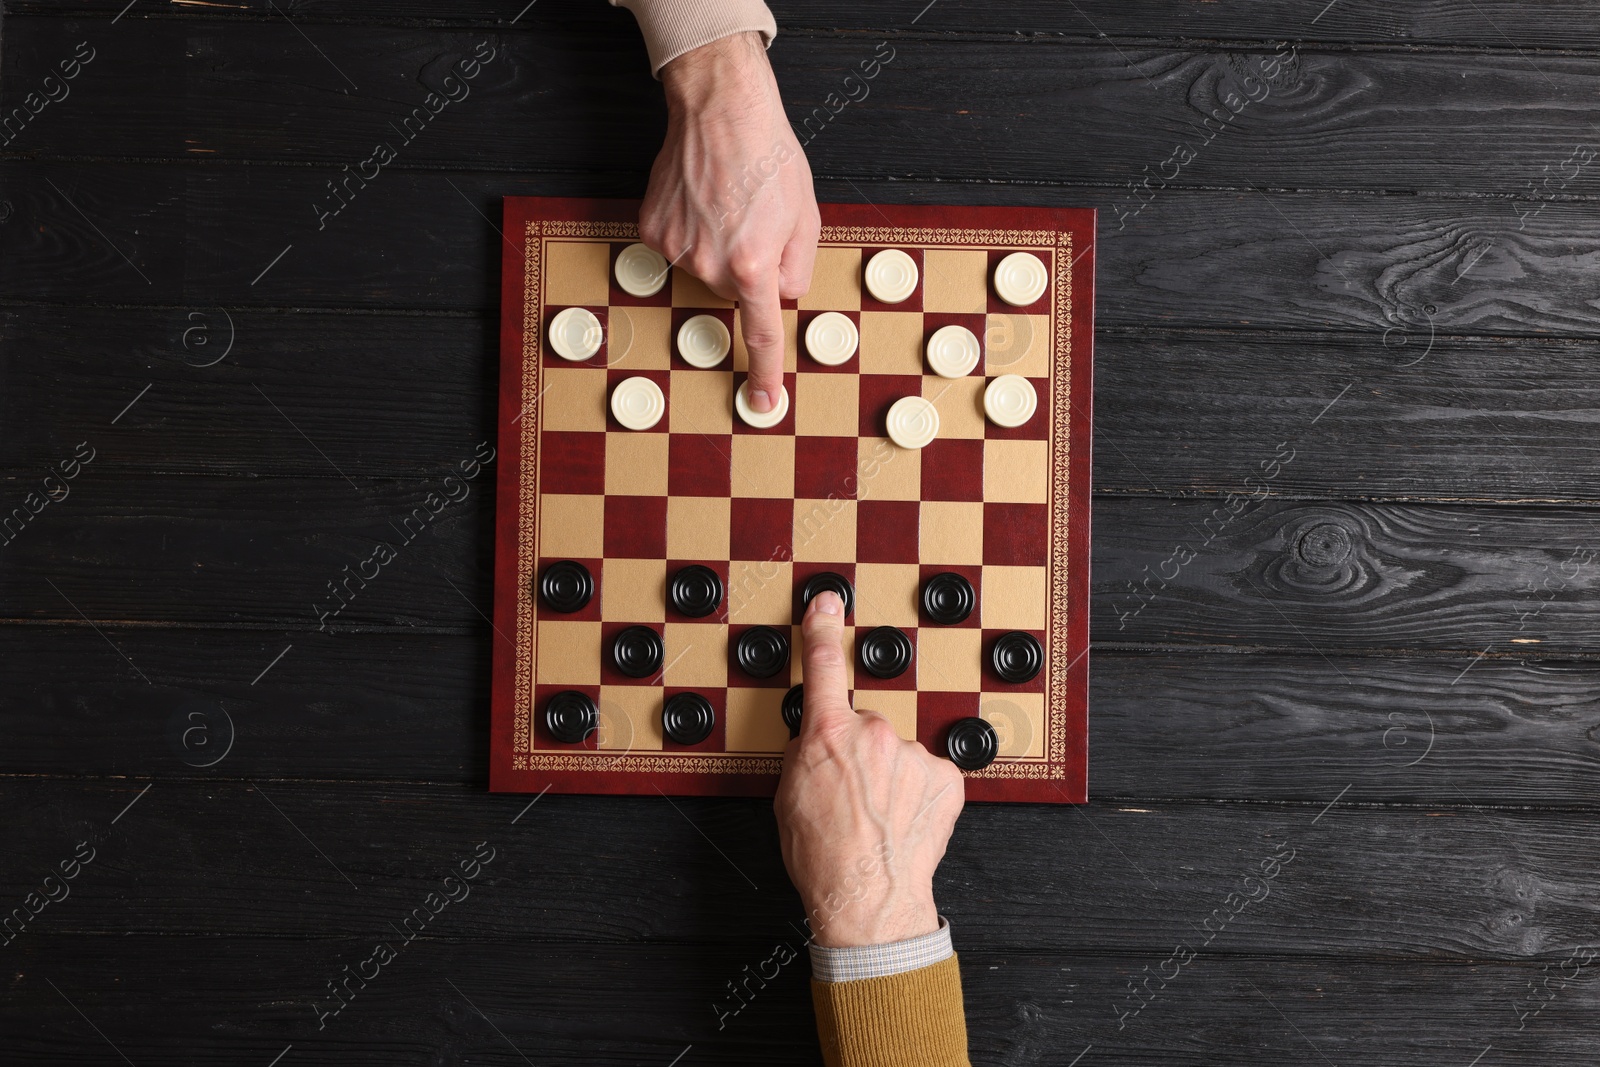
[525, 758]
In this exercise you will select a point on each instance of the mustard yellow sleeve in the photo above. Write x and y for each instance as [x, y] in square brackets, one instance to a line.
[673, 27]
[911, 1019]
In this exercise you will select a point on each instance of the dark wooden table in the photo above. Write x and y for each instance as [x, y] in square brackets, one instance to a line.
[1345, 539]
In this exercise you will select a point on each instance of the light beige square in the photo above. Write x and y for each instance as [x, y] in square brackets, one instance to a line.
[955, 281]
[1016, 472]
[791, 350]
[633, 590]
[690, 292]
[630, 718]
[1017, 344]
[960, 405]
[763, 465]
[891, 342]
[951, 532]
[899, 706]
[696, 654]
[949, 659]
[886, 594]
[572, 526]
[888, 472]
[577, 272]
[835, 281]
[574, 399]
[1018, 721]
[761, 592]
[636, 464]
[825, 531]
[755, 721]
[641, 338]
[827, 405]
[568, 653]
[701, 401]
[1014, 598]
[697, 527]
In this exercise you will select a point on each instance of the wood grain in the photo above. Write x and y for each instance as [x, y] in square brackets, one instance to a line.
[1317, 120]
[1398, 269]
[1112, 877]
[1177, 411]
[1312, 577]
[1319, 577]
[1491, 24]
[511, 1003]
[1514, 729]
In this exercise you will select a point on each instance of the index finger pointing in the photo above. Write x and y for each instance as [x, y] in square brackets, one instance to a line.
[827, 700]
[761, 320]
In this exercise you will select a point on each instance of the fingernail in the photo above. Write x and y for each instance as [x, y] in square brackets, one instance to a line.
[828, 603]
[760, 400]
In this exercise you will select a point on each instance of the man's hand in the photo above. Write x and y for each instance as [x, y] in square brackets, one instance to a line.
[730, 194]
[864, 816]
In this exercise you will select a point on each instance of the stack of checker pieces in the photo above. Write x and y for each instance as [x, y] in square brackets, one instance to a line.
[1002, 511]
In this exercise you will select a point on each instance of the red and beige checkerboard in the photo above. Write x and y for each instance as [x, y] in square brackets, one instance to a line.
[825, 490]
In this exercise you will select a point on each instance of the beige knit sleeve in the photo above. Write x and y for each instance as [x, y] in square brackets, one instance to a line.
[673, 27]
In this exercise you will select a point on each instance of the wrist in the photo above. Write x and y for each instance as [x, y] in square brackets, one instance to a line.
[731, 64]
[857, 925]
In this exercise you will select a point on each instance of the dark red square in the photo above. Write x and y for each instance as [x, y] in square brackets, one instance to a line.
[935, 713]
[553, 360]
[737, 676]
[886, 531]
[609, 675]
[622, 298]
[952, 469]
[717, 740]
[811, 366]
[762, 529]
[825, 467]
[911, 303]
[541, 733]
[636, 527]
[932, 324]
[1036, 428]
[1038, 307]
[590, 612]
[572, 461]
[974, 577]
[721, 568]
[878, 394]
[868, 682]
[699, 464]
[1016, 535]
[786, 427]
[803, 571]
[660, 377]
[683, 315]
[991, 680]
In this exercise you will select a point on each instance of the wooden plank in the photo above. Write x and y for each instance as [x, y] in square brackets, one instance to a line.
[1311, 577]
[243, 1000]
[1190, 725]
[1318, 577]
[1178, 412]
[1030, 110]
[1399, 269]
[244, 391]
[1355, 880]
[1491, 24]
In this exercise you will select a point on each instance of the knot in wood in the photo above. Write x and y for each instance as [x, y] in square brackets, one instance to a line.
[1326, 544]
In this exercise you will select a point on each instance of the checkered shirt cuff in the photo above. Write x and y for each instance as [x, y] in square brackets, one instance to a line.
[879, 961]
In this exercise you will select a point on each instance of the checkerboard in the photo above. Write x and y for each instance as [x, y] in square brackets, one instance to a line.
[825, 490]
